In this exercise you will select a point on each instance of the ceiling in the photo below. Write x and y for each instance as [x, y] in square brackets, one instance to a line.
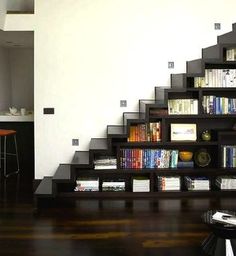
[16, 39]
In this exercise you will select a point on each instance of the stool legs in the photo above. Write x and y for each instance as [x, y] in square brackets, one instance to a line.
[5, 154]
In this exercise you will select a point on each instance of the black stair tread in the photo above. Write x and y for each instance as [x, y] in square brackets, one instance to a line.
[81, 158]
[45, 187]
[98, 144]
[151, 104]
[116, 131]
[227, 38]
[212, 52]
[134, 115]
[63, 172]
[178, 80]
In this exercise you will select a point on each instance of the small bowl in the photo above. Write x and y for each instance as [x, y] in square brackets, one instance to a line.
[185, 155]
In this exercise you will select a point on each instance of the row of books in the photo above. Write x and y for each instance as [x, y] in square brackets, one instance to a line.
[105, 162]
[197, 183]
[229, 156]
[148, 158]
[183, 107]
[226, 182]
[164, 183]
[231, 54]
[167, 183]
[216, 78]
[218, 105]
[145, 132]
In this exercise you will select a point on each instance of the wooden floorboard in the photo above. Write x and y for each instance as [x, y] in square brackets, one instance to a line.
[161, 227]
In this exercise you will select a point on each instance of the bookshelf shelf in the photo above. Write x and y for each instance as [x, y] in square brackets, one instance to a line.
[145, 136]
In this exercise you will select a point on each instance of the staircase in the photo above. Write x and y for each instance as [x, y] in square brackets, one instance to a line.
[49, 188]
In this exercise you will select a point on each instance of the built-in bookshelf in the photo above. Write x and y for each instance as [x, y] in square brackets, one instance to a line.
[141, 156]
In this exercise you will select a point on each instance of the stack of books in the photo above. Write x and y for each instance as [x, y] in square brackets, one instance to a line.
[141, 184]
[197, 183]
[105, 162]
[185, 164]
[226, 182]
[231, 54]
[218, 105]
[87, 184]
[229, 156]
[145, 132]
[216, 78]
[183, 107]
[148, 158]
[114, 186]
[166, 183]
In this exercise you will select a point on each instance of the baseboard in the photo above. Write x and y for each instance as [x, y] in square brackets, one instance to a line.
[36, 182]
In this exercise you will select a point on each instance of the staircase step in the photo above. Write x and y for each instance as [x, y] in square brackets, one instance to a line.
[146, 105]
[213, 52]
[133, 117]
[98, 144]
[234, 26]
[160, 94]
[116, 131]
[63, 173]
[195, 67]
[81, 159]
[45, 188]
[228, 38]
[178, 80]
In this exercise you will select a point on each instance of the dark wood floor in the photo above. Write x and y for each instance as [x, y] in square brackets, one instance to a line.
[108, 228]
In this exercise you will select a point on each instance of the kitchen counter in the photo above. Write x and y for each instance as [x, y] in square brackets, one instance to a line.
[5, 117]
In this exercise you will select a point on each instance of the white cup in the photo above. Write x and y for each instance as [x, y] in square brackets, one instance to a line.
[23, 111]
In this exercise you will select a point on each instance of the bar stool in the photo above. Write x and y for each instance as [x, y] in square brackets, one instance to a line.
[5, 134]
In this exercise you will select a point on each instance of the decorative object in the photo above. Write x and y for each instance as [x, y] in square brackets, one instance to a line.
[185, 155]
[202, 158]
[183, 132]
[13, 110]
[206, 135]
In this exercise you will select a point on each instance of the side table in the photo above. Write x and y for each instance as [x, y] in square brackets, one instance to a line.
[222, 239]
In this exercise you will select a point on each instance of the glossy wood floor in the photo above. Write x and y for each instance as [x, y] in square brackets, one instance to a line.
[106, 228]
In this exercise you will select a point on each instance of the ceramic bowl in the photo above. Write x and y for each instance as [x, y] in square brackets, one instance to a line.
[185, 155]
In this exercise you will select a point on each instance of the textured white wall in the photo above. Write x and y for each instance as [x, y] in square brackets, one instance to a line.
[3, 10]
[89, 54]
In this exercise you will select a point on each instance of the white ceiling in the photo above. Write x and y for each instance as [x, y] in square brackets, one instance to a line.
[17, 39]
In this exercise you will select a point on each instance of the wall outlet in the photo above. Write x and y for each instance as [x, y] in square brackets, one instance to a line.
[171, 64]
[75, 142]
[217, 26]
[48, 111]
[123, 103]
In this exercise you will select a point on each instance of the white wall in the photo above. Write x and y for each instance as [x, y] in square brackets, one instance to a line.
[20, 5]
[22, 77]
[5, 80]
[89, 54]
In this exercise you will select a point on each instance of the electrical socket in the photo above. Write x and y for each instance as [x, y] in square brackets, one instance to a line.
[171, 64]
[123, 103]
[75, 142]
[217, 26]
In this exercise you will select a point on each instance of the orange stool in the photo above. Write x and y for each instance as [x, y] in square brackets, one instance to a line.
[5, 134]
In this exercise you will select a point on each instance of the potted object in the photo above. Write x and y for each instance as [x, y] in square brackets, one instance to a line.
[202, 158]
[206, 135]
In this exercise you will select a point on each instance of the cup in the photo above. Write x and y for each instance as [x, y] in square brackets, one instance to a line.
[23, 111]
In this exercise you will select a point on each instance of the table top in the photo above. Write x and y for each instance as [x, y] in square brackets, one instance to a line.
[222, 229]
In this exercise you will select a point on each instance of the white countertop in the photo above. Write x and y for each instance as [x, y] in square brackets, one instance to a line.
[7, 117]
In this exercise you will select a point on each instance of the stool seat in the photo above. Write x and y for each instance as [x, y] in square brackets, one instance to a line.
[6, 132]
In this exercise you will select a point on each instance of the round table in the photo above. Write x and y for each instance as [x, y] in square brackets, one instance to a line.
[222, 240]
